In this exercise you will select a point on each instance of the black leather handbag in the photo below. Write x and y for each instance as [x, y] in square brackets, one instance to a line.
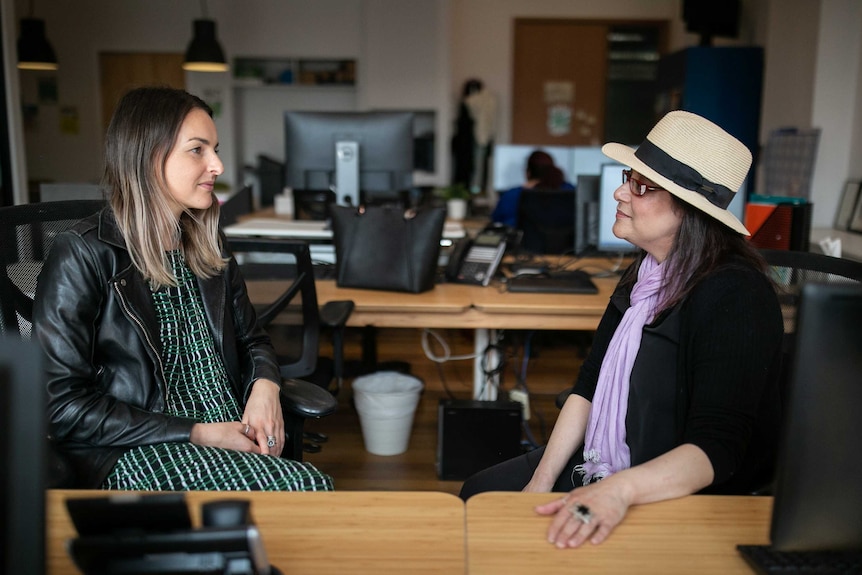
[387, 247]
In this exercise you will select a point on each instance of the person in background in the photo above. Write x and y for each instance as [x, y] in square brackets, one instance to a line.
[679, 393]
[158, 376]
[541, 172]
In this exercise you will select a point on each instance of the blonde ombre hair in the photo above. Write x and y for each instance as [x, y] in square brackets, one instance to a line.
[139, 139]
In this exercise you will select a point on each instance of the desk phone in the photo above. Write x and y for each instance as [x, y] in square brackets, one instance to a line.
[475, 261]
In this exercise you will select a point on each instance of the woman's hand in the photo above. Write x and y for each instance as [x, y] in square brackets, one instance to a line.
[227, 435]
[263, 414]
[591, 512]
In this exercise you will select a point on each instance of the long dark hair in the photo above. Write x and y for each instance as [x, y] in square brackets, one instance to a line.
[702, 245]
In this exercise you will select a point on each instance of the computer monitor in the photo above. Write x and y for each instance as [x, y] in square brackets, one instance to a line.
[587, 213]
[510, 163]
[22, 451]
[547, 220]
[611, 179]
[358, 155]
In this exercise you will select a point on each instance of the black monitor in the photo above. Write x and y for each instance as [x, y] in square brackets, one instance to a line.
[352, 153]
[22, 451]
[610, 180]
[547, 220]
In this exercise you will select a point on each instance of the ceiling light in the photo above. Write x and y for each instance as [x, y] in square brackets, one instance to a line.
[34, 51]
[204, 53]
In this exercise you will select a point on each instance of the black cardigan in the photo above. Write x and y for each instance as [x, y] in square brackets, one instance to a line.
[726, 339]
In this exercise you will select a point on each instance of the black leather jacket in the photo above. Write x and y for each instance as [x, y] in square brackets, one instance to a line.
[95, 319]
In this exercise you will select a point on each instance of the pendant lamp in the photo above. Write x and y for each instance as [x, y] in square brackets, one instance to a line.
[34, 51]
[204, 53]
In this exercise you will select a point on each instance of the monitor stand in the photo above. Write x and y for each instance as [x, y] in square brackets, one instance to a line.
[347, 173]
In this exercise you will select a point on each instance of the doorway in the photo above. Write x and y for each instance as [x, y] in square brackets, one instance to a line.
[120, 72]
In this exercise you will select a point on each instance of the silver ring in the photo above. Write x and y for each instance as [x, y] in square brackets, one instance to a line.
[270, 441]
[581, 513]
[245, 431]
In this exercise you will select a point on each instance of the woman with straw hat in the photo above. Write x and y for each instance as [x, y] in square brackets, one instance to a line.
[679, 393]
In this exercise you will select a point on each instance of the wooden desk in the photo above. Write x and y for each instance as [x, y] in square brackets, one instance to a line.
[461, 306]
[695, 534]
[458, 306]
[320, 533]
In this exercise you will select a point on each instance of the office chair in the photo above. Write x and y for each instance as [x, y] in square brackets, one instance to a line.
[547, 219]
[27, 233]
[790, 270]
[286, 265]
[238, 204]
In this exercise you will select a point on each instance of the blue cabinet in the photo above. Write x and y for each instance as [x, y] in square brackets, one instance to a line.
[721, 83]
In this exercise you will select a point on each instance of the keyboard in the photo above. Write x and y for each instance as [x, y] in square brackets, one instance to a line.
[768, 561]
[568, 281]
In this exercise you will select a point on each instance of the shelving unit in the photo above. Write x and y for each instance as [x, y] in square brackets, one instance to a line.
[252, 71]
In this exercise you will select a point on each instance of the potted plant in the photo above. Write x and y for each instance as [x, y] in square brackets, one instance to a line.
[456, 196]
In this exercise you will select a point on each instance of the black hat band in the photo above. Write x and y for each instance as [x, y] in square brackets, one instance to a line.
[683, 175]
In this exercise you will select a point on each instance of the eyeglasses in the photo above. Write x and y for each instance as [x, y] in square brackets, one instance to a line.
[636, 186]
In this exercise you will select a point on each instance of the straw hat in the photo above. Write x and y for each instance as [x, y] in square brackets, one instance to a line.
[694, 160]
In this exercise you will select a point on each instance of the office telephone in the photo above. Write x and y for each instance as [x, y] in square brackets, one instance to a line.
[150, 534]
[475, 260]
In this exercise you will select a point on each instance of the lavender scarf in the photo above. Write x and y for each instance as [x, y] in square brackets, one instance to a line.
[605, 449]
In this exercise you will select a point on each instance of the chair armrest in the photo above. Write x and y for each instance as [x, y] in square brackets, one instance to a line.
[305, 399]
[335, 313]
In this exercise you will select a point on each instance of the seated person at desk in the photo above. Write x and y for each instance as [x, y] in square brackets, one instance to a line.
[679, 393]
[541, 173]
[158, 376]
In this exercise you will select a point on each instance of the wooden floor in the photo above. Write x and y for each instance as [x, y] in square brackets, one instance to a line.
[556, 359]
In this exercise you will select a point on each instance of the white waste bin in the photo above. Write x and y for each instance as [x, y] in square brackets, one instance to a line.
[386, 402]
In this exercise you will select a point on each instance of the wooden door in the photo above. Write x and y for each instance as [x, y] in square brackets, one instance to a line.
[559, 76]
[120, 72]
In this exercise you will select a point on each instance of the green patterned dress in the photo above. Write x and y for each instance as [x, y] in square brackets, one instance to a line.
[198, 388]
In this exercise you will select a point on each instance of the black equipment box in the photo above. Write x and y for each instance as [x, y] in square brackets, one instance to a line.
[473, 435]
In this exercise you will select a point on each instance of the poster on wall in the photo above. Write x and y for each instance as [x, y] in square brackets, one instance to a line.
[69, 120]
[559, 99]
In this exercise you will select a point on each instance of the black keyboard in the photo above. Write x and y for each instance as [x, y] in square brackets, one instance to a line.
[568, 281]
[768, 561]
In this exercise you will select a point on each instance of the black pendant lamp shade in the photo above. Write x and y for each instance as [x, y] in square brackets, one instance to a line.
[34, 51]
[204, 53]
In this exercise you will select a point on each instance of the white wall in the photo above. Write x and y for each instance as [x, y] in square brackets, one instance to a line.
[467, 38]
[836, 108]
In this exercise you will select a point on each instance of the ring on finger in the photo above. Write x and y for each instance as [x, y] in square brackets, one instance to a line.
[270, 441]
[245, 431]
[581, 512]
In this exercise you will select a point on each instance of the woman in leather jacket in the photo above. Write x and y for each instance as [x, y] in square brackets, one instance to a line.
[159, 377]
[679, 393]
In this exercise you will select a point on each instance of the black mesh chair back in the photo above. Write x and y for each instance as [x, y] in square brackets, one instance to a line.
[547, 220]
[791, 269]
[27, 232]
[281, 270]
